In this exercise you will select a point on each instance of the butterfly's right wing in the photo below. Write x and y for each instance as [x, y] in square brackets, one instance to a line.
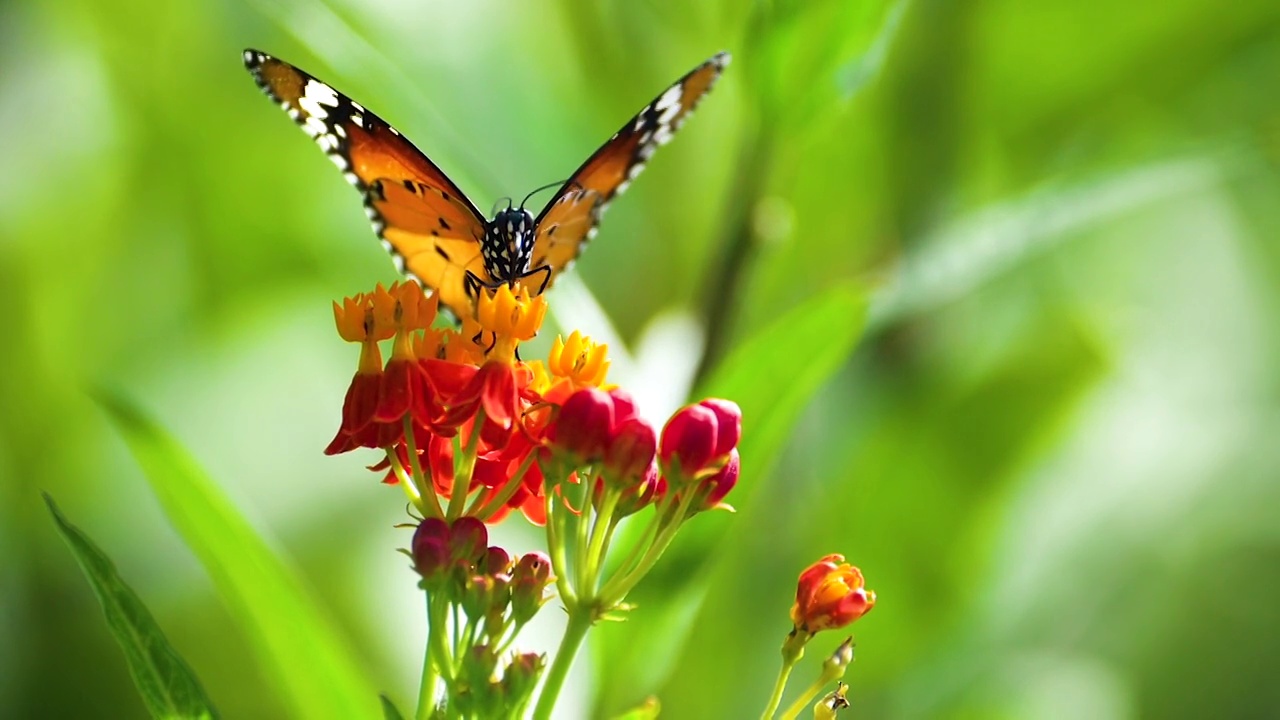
[570, 219]
[430, 228]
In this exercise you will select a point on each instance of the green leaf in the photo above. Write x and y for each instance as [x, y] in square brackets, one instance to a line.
[772, 376]
[389, 711]
[167, 684]
[310, 663]
[776, 372]
[647, 711]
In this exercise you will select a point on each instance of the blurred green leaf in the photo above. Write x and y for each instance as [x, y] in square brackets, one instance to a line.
[313, 666]
[167, 684]
[647, 711]
[389, 711]
[772, 376]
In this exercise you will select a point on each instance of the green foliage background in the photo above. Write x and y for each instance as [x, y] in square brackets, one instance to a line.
[1053, 454]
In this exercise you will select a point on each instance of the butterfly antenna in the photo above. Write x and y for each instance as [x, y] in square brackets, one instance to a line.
[540, 189]
[498, 203]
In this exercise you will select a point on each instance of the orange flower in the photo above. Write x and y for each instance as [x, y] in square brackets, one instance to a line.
[830, 594]
[458, 391]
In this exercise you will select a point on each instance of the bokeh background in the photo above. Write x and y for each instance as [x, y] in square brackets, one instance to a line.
[1054, 452]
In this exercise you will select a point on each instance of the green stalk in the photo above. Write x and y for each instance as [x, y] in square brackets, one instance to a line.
[426, 488]
[434, 660]
[464, 467]
[574, 634]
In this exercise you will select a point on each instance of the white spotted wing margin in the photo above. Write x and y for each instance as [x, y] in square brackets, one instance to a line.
[567, 222]
[427, 224]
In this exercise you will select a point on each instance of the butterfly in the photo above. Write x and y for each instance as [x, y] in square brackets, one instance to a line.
[434, 232]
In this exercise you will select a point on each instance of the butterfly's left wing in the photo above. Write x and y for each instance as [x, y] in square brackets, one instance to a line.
[570, 219]
[431, 229]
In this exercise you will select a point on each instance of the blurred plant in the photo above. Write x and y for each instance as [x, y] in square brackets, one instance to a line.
[830, 594]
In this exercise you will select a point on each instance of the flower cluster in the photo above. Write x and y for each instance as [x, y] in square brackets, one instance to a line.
[471, 432]
[498, 594]
[457, 406]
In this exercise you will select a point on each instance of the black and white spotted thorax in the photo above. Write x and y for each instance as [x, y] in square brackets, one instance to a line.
[507, 247]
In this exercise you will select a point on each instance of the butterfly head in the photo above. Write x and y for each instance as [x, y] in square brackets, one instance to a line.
[508, 244]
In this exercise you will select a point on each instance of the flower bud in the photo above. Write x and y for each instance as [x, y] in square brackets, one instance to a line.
[640, 495]
[529, 581]
[630, 451]
[519, 678]
[830, 594]
[496, 561]
[468, 541]
[728, 423]
[713, 489]
[689, 439]
[583, 425]
[430, 549]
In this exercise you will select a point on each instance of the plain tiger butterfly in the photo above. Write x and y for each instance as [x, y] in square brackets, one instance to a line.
[435, 234]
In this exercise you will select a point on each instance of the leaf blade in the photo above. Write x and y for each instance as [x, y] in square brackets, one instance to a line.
[167, 684]
[295, 642]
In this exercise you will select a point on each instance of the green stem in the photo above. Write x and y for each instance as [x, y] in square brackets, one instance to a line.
[433, 659]
[600, 531]
[619, 585]
[464, 467]
[792, 651]
[776, 698]
[556, 548]
[426, 488]
[574, 633]
[798, 706]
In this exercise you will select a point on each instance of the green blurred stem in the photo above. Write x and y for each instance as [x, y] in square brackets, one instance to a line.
[792, 651]
[434, 659]
[426, 488]
[579, 623]
[725, 287]
[464, 467]
[799, 705]
[616, 589]
[776, 698]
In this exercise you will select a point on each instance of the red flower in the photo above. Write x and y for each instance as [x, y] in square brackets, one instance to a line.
[830, 594]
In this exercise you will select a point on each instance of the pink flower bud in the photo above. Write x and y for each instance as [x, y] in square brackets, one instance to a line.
[583, 425]
[529, 580]
[430, 548]
[690, 439]
[631, 451]
[719, 485]
[468, 541]
[728, 423]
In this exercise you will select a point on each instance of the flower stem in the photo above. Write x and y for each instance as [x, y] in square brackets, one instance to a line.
[776, 698]
[574, 633]
[433, 658]
[798, 706]
[792, 651]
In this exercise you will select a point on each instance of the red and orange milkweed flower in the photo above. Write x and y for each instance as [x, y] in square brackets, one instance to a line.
[831, 594]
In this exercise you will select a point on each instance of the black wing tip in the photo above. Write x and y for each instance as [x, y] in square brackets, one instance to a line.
[253, 59]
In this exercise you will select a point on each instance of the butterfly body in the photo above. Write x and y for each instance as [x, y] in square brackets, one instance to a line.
[436, 234]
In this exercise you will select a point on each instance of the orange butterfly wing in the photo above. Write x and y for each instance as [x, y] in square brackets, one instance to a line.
[566, 224]
[431, 229]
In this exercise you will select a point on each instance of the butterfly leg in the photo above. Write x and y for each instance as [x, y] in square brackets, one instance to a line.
[546, 277]
[472, 284]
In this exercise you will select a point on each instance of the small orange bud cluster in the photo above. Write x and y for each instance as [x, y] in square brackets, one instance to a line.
[831, 594]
